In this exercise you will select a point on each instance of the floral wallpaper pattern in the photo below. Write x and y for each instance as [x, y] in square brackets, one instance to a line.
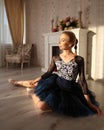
[39, 15]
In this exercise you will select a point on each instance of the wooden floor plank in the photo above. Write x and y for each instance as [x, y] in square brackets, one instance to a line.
[17, 110]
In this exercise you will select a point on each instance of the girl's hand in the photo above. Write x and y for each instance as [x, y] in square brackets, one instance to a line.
[96, 109]
[33, 83]
[92, 106]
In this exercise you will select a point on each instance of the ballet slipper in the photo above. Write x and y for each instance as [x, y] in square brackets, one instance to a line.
[13, 82]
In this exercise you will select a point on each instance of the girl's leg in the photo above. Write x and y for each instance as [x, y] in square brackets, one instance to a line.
[25, 83]
[40, 104]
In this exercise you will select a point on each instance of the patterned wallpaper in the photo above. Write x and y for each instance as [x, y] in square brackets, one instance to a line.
[38, 20]
[39, 16]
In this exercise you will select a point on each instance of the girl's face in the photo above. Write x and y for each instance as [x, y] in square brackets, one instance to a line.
[64, 43]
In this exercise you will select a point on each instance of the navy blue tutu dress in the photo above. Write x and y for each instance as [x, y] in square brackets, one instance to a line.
[61, 91]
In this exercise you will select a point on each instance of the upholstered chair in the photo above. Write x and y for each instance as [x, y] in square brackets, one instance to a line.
[23, 55]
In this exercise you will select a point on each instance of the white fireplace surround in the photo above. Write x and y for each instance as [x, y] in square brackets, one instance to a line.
[52, 39]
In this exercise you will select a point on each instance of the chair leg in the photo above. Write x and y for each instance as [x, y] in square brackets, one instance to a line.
[21, 65]
[28, 64]
[7, 64]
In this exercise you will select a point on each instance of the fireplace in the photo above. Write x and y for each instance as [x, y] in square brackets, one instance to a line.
[55, 50]
[51, 45]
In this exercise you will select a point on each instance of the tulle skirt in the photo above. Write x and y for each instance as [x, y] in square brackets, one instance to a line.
[63, 96]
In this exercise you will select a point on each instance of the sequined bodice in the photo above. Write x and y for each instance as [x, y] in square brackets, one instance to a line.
[68, 70]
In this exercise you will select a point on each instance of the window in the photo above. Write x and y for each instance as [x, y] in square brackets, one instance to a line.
[5, 36]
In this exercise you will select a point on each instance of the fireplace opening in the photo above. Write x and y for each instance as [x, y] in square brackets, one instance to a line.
[55, 50]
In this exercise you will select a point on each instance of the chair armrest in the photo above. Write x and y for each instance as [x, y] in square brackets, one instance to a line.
[25, 56]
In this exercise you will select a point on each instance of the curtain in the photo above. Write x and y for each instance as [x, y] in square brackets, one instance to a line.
[15, 15]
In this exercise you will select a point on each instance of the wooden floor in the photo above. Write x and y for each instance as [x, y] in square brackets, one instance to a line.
[17, 110]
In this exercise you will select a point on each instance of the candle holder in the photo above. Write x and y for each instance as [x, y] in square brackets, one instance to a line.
[80, 19]
[53, 29]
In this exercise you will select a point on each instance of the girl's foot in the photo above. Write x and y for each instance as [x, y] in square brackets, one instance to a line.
[13, 82]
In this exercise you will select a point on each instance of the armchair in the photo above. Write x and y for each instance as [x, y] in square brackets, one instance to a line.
[23, 55]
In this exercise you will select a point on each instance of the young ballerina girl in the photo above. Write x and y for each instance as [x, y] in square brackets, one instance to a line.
[59, 91]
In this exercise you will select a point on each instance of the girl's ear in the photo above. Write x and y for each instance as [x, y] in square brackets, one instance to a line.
[71, 45]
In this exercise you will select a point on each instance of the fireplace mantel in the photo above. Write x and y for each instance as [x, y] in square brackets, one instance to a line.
[52, 39]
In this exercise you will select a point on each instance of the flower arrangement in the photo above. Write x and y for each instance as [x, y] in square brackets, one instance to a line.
[66, 24]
